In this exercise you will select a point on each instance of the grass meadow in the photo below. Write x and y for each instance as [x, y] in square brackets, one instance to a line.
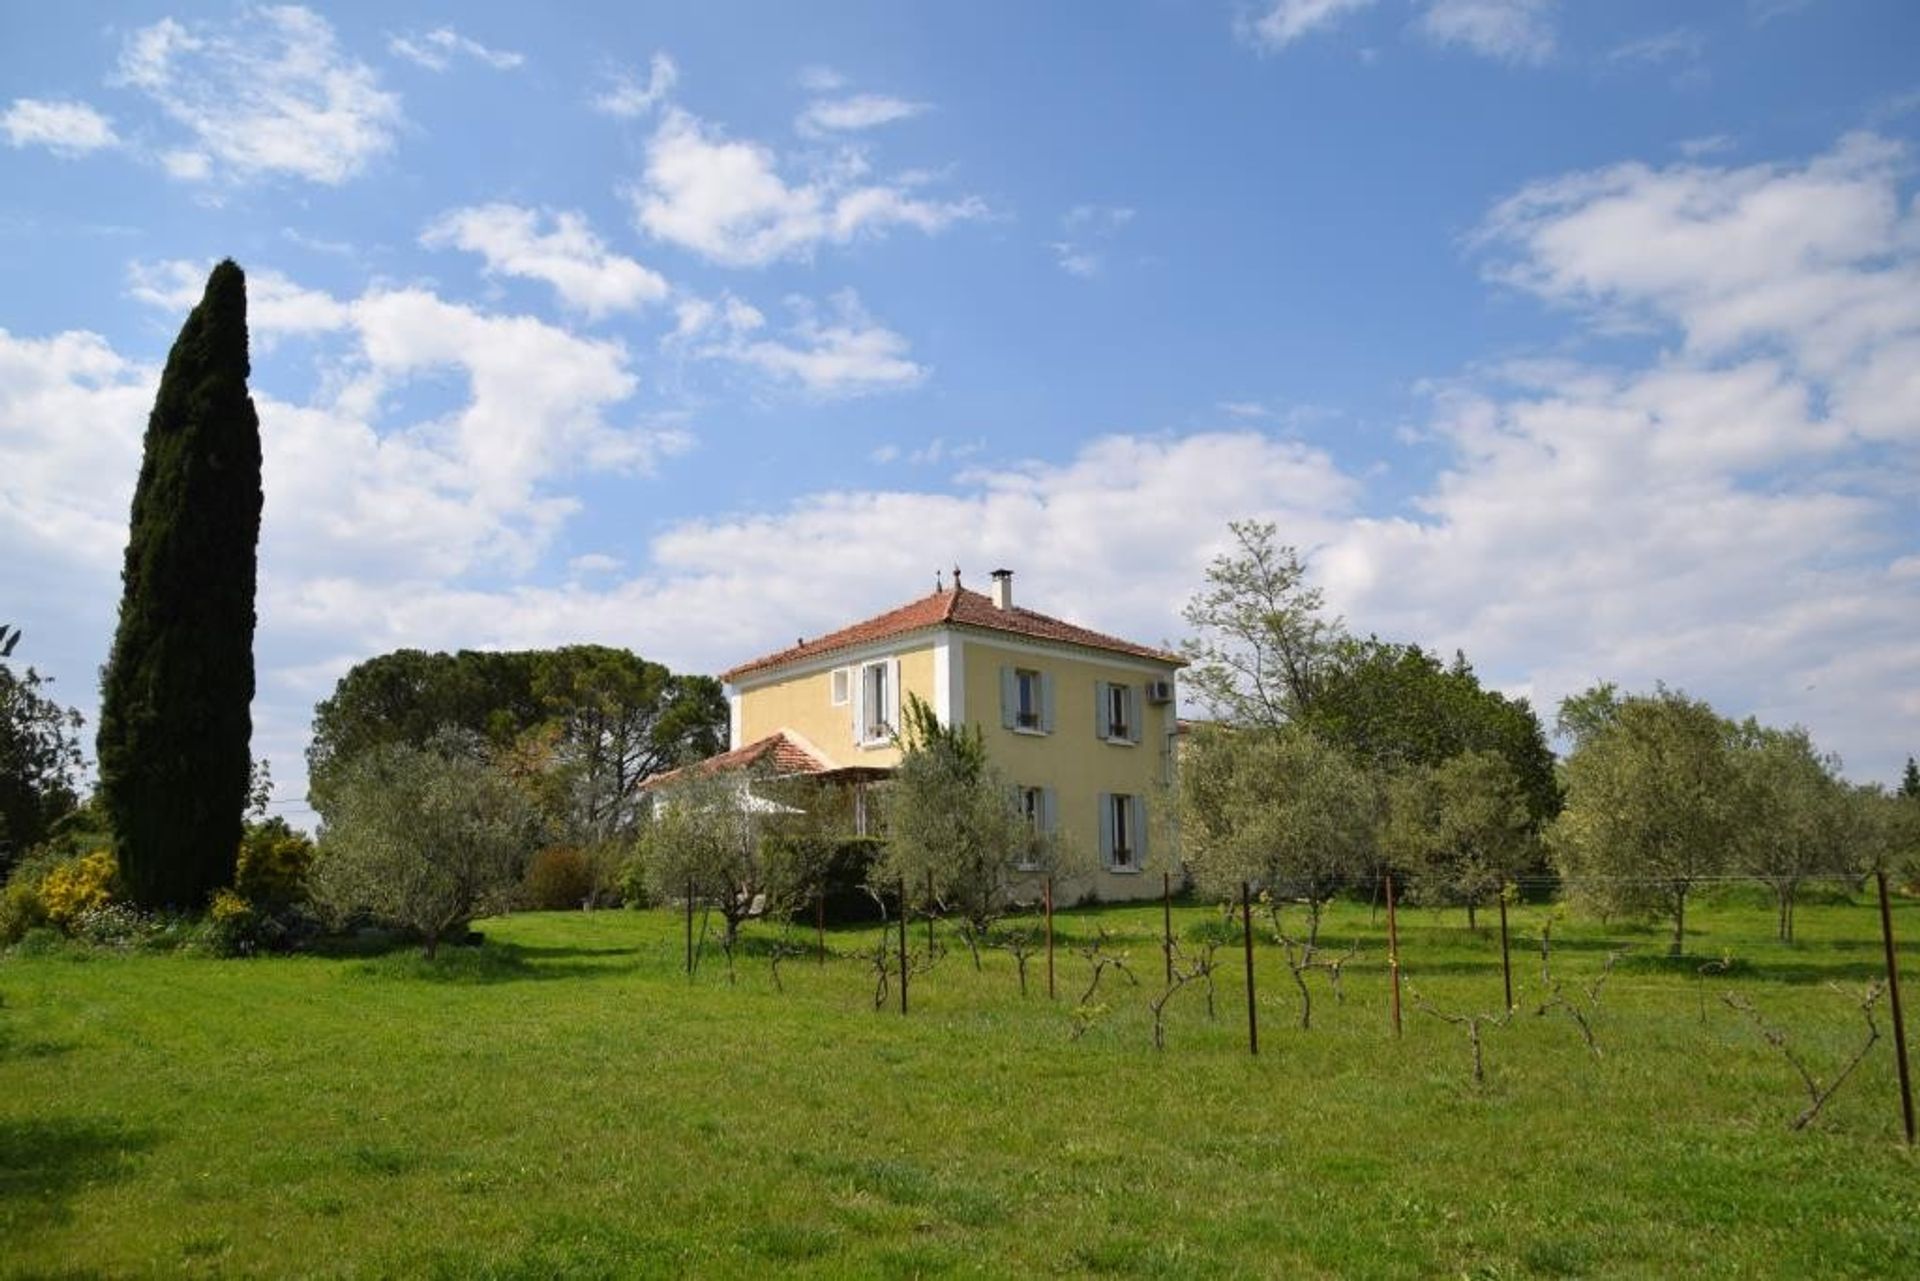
[563, 1101]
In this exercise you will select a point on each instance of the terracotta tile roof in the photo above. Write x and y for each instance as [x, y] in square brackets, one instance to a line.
[783, 752]
[960, 607]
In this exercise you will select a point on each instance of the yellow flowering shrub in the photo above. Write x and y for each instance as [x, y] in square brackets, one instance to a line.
[78, 885]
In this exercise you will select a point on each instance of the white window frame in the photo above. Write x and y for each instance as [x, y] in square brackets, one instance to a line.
[1123, 828]
[1033, 808]
[1126, 696]
[839, 686]
[871, 729]
[1123, 835]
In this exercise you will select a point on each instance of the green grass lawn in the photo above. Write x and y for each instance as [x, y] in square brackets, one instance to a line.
[563, 1101]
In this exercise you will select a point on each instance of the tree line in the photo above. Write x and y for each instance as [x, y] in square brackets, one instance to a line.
[1333, 761]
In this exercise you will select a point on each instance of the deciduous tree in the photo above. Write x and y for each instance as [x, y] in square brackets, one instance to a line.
[1260, 644]
[39, 759]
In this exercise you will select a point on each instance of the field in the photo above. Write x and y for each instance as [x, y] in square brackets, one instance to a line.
[563, 1101]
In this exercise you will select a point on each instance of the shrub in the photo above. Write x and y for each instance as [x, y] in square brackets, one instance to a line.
[632, 878]
[115, 925]
[560, 877]
[233, 923]
[78, 886]
[273, 866]
[21, 910]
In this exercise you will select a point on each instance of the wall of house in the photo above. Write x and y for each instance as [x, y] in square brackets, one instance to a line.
[804, 704]
[1072, 759]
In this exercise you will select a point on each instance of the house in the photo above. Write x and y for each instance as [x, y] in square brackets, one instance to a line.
[1081, 722]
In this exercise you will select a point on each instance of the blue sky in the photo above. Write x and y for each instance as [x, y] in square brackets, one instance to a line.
[1583, 337]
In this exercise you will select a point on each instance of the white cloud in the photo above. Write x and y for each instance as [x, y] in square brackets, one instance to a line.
[853, 113]
[1728, 518]
[1285, 21]
[1091, 228]
[66, 128]
[821, 80]
[833, 353]
[275, 305]
[571, 258]
[270, 94]
[727, 200]
[1519, 31]
[1682, 44]
[1714, 144]
[436, 49]
[630, 97]
[1820, 261]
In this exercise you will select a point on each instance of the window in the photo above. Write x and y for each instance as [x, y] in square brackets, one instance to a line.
[876, 710]
[1113, 712]
[1123, 832]
[1026, 700]
[1026, 713]
[840, 683]
[1034, 809]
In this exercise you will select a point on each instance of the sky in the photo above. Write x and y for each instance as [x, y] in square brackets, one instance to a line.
[1581, 337]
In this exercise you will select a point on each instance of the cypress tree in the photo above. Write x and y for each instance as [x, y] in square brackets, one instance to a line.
[175, 719]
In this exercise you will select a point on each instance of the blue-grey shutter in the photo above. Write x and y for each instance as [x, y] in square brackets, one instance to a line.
[894, 696]
[1049, 810]
[1100, 709]
[1009, 698]
[1106, 829]
[1136, 712]
[1139, 831]
[1046, 703]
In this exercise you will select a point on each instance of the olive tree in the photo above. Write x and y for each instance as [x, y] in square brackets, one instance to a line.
[704, 843]
[1652, 807]
[1798, 819]
[422, 837]
[1461, 829]
[954, 823]
[1277, 808]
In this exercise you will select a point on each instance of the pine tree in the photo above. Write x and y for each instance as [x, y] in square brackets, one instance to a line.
[1910, 781]
[174, 706]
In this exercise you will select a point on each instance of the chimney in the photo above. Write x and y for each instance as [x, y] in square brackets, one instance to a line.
[1003, 589]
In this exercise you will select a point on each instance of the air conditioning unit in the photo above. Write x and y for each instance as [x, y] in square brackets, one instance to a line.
[1159, 691]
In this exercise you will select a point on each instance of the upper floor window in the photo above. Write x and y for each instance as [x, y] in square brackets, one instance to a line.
[1116, 712]
[1026, 700]
[876, 711]
[840, 680]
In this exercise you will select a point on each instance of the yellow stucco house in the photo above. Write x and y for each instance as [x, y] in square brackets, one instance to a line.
[1081, 722]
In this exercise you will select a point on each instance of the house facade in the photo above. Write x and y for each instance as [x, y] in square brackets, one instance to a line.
[1082, 723]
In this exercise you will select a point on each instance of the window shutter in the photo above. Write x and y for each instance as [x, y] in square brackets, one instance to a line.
[858, 699]
[1139, 805]
[1046, 703]
[1106, 829]
[1135, 704]
[1049, 810]
[1100, 709]
[893, 695]
[1009, 698]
